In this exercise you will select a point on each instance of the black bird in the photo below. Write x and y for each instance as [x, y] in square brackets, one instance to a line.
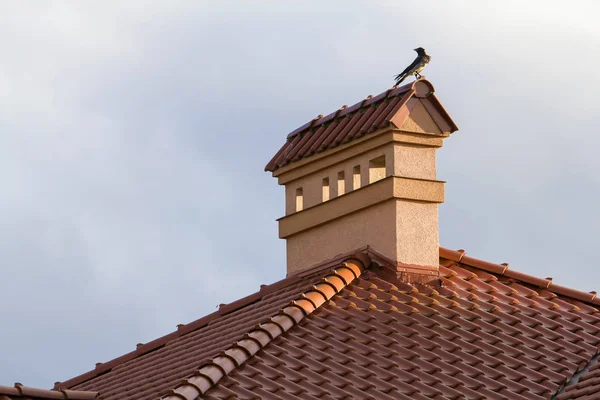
[417, 66]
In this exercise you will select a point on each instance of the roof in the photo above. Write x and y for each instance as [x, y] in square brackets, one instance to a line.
[365, 117]
[158, 366]
[20, 392]
[585, 385]
[340, 330]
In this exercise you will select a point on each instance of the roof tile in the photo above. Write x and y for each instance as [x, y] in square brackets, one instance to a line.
[21, 392]
[481, 335]
[349, 123]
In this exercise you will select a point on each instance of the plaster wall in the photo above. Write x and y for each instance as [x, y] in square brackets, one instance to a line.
[402, 230]
[312, 184]
[419, 120]
[414, 161]
[374, 226]
[411, 161]
[417, 236]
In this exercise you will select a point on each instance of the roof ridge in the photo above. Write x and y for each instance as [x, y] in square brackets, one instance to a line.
[460, 256]
[210, 373]
[20, 390]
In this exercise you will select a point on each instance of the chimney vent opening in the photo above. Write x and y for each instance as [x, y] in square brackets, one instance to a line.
[376, 169]
[341, 183]
[356, 177]
[299, 200]
[325, 189]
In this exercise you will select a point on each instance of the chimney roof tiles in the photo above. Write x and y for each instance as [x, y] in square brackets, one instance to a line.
[349, 123]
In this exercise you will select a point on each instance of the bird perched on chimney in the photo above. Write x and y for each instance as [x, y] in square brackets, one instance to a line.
[417, 66]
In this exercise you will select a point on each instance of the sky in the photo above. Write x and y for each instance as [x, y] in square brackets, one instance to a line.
[133, 137]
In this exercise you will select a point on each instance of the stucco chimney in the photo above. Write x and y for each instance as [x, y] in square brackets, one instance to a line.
[366, 176]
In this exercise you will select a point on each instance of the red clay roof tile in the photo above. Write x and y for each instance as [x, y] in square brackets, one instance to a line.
[483, 334]
[364, 117]
[524, 376]
[20, 392]
[583, 384]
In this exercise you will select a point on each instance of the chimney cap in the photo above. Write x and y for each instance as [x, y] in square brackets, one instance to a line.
[344, 126]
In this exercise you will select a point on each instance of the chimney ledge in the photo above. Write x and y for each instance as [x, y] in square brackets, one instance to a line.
[355, 148]
[391, 187]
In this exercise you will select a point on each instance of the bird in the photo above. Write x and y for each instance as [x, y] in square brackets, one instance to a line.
[417, 66]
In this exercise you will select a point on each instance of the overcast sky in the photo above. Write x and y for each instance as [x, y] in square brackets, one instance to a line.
[133, 137]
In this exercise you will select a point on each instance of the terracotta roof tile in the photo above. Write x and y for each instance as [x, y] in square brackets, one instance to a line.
[584, 383]
[20, 392]
[350, 123]
[160, 368]
[483, 334]
[487, 368]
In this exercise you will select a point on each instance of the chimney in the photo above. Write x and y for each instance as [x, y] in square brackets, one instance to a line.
[365, 175]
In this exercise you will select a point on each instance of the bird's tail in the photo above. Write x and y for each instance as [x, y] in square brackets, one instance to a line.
[399, 78]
